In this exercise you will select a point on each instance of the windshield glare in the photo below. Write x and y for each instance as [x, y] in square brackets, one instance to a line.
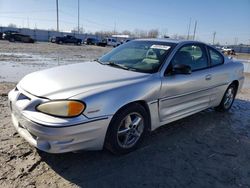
[141, 56]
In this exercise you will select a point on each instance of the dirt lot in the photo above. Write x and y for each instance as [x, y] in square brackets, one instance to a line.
[208, 149]
[19, 59]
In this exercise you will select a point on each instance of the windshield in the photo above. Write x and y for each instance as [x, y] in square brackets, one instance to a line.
[141, 56]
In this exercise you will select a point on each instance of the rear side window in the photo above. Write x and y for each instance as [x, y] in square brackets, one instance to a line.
[216, 57]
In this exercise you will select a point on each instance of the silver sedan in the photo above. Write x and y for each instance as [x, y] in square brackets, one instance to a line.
[113, 101]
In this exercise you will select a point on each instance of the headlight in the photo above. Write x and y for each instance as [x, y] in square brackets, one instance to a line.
[66, 108]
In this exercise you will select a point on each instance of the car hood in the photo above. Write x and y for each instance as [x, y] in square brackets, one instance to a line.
[69, 80]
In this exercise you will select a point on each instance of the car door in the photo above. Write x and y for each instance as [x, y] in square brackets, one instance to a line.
[219, 76]
[185, 94]
[68, 39]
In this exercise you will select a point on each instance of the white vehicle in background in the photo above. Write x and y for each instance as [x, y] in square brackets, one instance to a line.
[228, 51]
[112, 42]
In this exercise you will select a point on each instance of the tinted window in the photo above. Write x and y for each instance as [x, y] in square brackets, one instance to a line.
[216, 58]
[192, 55]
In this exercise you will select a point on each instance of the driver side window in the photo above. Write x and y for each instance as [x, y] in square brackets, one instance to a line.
[192, 55]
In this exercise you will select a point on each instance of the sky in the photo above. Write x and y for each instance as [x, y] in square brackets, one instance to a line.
[230, 19]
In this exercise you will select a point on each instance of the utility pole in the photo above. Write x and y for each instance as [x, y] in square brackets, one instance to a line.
[235, 41]
[194, 29]
[78, 18]
[214, 33]
[57, 16]
[189, 25]
[114, 28]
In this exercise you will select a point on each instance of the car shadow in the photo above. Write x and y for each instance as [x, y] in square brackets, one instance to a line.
[204, 150]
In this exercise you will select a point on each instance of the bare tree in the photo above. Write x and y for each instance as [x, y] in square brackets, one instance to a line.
[126, 32]
[138, 33]
[103, 34]
[153, 33]
[75, 30]
[12, 25]
[180, 37]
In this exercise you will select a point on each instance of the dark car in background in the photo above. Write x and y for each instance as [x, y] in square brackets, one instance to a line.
[95, 41]
[14, 36]
[68, 39]
[6, 34]
[1, 36]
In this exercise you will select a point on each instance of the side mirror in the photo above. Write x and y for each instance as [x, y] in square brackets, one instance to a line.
[181, 69]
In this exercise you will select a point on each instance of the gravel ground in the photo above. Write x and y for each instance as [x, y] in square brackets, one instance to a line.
[208, 149]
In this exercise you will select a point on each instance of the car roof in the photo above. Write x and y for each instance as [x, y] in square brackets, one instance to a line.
[169, 40]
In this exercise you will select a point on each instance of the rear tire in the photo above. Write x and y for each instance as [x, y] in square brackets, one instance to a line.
[127, 129]
[228, 99]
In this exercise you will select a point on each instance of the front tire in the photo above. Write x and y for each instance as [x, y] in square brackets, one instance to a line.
[127, 129]
[228, 99]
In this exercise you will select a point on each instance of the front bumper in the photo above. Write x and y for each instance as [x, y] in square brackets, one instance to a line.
[86, 135]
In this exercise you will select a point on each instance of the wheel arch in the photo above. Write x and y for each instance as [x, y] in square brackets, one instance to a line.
[108, 133]
[143, 104]
[236, 83]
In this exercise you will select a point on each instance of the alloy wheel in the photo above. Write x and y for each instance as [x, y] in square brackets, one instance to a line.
[229, 97]
[130, 130]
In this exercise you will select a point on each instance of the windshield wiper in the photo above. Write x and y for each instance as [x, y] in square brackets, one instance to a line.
[97, 60]
[117, 65]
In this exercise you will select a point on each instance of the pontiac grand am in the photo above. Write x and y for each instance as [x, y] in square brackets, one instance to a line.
[114, 101]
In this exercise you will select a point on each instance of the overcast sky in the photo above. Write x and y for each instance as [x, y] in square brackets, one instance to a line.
[230, 19]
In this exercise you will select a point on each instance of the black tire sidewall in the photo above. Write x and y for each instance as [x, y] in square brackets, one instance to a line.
[222, 107]
[111, 142]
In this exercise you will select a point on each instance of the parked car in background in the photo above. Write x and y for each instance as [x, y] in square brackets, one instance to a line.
[112, 42]
[7, 33]
[17, 37]
[127, 40]
[95, 41]
[228, 51]
[113, 101]
[91, 41]
[1, 36]
[219, 48]
[68, 39]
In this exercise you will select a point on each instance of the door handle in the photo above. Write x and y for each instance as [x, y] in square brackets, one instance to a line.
[208, 77]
